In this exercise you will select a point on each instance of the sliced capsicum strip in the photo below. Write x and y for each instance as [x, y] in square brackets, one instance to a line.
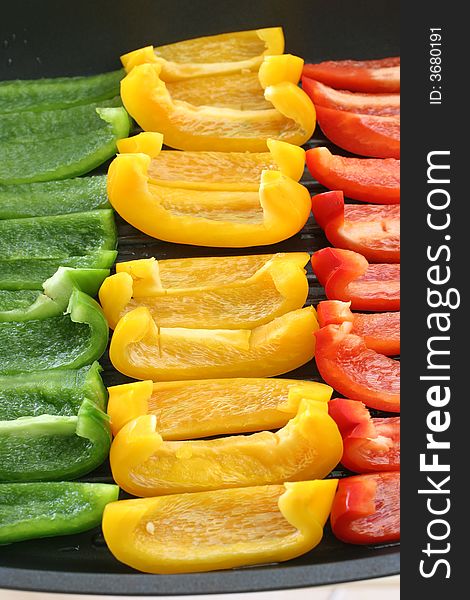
[49, 198]
[214, 170]
[373, 231]
[210, 55]
[50, 392]
[251, 525]
[58, 236]
[347, 276]
[278, 287]
[366, 509]
[72, 340]
[345, 363]
[187, 127]
[142, 350]
[232, 219]
[308, 447]
[59, 92]
[375, 180]
[25, 305]
[202, 408]
[355, 102]
[50, 447]
[380, 331]
[30, 274]
[370, 444]
[48, 509]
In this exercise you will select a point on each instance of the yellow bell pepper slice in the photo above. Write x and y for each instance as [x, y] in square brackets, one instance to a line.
[232, 219]
[208, 407]
[278, 287]
[185, 126]
[214, 170]
[210, 55]
[143, 464]
[222, 529]
[141, 349]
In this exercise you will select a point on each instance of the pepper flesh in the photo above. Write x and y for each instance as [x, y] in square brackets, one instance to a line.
[373, 231]
[251, 525]
[210, 55]
[141, 350]
[37, 510]
[347, 276]
[308, 447]
[380, 331]
[208, 407]
[277, 287]
[232, 219]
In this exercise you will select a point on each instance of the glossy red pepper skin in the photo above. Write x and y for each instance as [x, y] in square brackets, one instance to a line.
[375, 180]
[373, 231]
[371, 76]
[355, 371]
[366, 509]
[355, 102]
[369, 444]
[367, 135]
[380, 331]
[347, 276]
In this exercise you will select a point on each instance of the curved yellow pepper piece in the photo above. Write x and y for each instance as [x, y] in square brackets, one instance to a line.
[187, 127]
[210, 55]
[248, 526]
[308, 447]
[232, 219]
[214, 170]
[278, 287]
[142, 350]
[208, 407]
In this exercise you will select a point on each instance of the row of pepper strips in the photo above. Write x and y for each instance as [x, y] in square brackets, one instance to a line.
[57, 242]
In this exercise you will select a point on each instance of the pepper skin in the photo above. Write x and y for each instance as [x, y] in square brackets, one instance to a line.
[375, 180]
[366, 509]
[370, 445]
[208, 407]
[210, 55]
[49, 509]
[347, 276]
[345, 363]
[142, 350]
[373, 231]
[277, 287]
[231, 219]
[308, 447]
[380, 331]
[252, 525]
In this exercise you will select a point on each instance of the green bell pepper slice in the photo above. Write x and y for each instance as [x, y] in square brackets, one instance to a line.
[51, 447]
[49, 198]
[47, 157]
[59, 92]
[58, 393]
[24, 305]
[67, 341]
[30, 274]
[49, 509]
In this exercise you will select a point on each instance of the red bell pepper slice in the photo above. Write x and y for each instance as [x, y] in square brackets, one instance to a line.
[372, 76]
[363, 104]
[366, 509]
[373, 231]
[369, 444]
[347, 276]
[380, 331]
[375, 180]
[366, 135]
[355, 371]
